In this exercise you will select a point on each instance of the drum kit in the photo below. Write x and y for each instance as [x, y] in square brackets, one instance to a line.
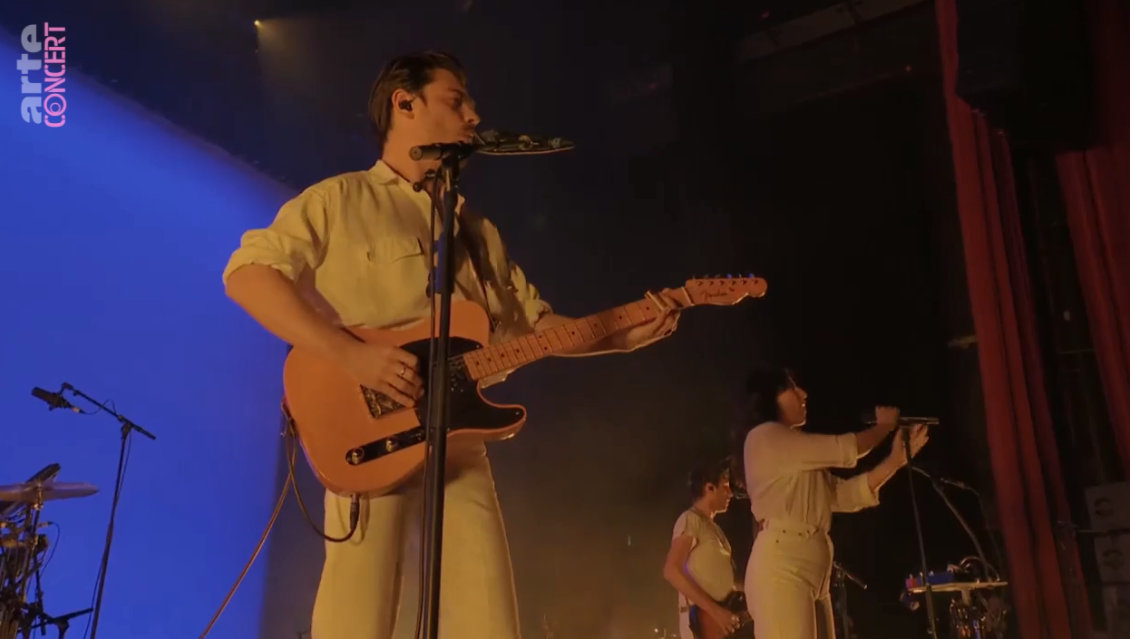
[25, 552]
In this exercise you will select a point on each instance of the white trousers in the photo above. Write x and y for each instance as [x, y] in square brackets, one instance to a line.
[787, 584]
[370, 584]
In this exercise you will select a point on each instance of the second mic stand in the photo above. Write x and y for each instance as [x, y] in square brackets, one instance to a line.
[930, 614]
[841, 576]
[941, 490]
[451, 157]
[128, 427]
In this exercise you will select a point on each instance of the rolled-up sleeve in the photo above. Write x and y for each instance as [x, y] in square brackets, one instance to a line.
[294, 241]
[533, 305]
[852, 495]
[687, 526]
[790, 450]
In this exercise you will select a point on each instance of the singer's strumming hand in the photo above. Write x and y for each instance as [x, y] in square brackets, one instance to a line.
[385, 368]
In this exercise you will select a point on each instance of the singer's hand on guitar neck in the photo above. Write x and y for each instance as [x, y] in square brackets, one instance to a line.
[660, 327]
[386, 369]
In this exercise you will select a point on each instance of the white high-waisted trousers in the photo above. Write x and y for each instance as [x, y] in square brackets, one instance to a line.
[361, 593]
[787, 583]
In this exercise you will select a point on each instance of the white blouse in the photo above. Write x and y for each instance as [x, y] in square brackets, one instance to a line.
[787, 476]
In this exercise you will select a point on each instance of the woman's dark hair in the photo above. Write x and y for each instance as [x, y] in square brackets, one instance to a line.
[707, 474]
[762, 385]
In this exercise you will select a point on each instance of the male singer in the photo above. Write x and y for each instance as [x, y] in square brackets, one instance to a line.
[353, 250]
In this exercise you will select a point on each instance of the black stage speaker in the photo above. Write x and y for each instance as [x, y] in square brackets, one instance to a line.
[1027, 66]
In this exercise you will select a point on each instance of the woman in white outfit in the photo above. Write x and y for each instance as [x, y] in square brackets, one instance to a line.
[792, 497]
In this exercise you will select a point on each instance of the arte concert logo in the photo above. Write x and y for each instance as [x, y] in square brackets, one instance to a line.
[43, 70]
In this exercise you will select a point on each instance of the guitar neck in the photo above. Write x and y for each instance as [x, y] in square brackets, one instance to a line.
[512, 354]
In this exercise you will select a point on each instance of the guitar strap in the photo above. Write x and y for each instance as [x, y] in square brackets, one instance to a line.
[468, 237]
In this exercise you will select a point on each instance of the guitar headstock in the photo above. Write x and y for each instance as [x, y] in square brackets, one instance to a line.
[722, 291]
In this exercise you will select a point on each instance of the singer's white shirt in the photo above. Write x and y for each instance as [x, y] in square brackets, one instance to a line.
[356, 246]
[787, 478]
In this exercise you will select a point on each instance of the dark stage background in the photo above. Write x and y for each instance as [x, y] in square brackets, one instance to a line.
[840, 194]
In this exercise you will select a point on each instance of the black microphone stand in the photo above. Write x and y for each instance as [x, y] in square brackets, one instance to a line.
[941, 490]
[127, 428]
[930, 614]
[841, 576]
[451, 157]
[63, 623]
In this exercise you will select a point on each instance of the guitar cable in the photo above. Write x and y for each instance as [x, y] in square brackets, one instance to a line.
[254, 555]
[291, 451]
[291, 435]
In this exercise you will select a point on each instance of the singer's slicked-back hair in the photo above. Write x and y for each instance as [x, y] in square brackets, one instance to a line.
[762, 386]
[411, 72]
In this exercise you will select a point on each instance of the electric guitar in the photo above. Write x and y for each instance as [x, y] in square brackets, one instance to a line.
[704, 627]
[360, 441]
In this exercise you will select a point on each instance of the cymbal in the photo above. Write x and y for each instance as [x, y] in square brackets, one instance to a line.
[35, 491]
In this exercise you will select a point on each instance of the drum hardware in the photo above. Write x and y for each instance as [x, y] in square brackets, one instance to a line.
[969, 618]
[22, 551]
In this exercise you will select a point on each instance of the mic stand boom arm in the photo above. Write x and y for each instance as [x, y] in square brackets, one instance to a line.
[127, 428]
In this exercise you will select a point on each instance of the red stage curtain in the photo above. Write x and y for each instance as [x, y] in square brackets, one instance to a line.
[1096, 190]
[1030, 494]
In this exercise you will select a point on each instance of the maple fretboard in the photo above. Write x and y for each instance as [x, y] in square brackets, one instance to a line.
[509, 355]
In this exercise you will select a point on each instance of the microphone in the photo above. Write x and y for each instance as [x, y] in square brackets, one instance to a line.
[54, 400]
[944, 480]
[494, 142]
[909, 421]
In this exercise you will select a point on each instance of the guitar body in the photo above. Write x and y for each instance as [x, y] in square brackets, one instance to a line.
[359, 441]
[704, 627]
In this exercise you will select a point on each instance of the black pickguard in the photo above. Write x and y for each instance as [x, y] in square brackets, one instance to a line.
[468, 410]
